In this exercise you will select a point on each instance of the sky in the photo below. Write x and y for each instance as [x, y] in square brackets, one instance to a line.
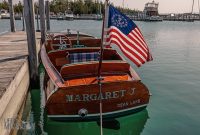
[165, 6]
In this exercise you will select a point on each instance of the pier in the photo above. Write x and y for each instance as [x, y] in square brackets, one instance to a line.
[14, 74]
[19, 63]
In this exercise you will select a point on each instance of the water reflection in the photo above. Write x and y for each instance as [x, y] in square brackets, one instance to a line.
[128, 125]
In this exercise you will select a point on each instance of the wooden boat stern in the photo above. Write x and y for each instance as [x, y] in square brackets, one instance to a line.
[117, 97]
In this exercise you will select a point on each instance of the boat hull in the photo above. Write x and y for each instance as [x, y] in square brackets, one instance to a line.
[118, 99]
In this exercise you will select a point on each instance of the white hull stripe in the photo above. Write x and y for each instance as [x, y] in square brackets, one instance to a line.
[97, 114]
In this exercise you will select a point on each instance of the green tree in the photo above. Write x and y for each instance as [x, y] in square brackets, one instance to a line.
[80, 7]
[77, 7]
[4, 5]
[18, 8]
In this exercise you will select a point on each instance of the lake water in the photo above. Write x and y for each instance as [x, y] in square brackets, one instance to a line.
[173, 78]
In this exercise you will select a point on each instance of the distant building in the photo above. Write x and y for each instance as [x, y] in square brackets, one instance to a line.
[89, 0]
[151, 12]
[151, 8]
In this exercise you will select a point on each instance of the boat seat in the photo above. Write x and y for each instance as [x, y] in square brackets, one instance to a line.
[62, 57]
[58, 58]
[85, 69]
[83, 57]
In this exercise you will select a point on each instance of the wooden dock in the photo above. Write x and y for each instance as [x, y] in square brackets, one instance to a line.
[14, 75]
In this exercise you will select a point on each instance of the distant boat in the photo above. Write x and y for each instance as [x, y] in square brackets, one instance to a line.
[98, 17]
[71, 89]
[151, 12]
[154, 19]
[4, 14]
[60, 16]
[53, 16]
[65, 16]
[69, 15]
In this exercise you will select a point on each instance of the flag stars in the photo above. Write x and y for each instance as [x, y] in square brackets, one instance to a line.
[119, 21]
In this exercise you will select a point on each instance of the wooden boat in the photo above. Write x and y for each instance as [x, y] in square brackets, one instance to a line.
[71, 87]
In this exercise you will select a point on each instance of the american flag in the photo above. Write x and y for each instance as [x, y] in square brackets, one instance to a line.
[124, 33]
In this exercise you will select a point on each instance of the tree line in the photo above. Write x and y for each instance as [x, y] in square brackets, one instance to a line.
[62, 6]
[18, 8]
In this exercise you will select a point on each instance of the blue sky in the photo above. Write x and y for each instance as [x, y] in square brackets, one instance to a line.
[165, 6]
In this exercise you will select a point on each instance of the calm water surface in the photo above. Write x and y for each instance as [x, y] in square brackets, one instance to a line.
[173, 78]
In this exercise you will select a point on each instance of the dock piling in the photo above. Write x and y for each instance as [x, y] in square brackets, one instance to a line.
[42, 20]
[47, 15]
[23, 20]
[31, 39]
[12, 17]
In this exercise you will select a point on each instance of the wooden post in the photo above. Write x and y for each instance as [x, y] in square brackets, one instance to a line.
[12, 17]
[47, 15]
[38, 29]
[23, 20]
[42, 20]
[31, 39]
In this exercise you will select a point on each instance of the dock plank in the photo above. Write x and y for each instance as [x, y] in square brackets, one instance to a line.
[13, 54]
[8, 71]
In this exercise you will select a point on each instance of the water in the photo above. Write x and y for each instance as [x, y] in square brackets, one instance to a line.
[173, 78]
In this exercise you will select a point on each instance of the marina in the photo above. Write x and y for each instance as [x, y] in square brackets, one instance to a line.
[149, 13]
[172, 79]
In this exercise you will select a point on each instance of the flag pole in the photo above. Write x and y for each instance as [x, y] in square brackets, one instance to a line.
[99, 78]
[102, 38]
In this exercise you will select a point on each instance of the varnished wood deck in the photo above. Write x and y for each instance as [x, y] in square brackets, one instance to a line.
[14, 74]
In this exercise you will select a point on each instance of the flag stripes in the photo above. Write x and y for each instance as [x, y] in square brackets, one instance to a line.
[132, 46]
[124, 33]
[127, 41]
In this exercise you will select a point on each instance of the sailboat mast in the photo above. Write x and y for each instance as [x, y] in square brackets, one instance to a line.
[192, 7]
[199, 8]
